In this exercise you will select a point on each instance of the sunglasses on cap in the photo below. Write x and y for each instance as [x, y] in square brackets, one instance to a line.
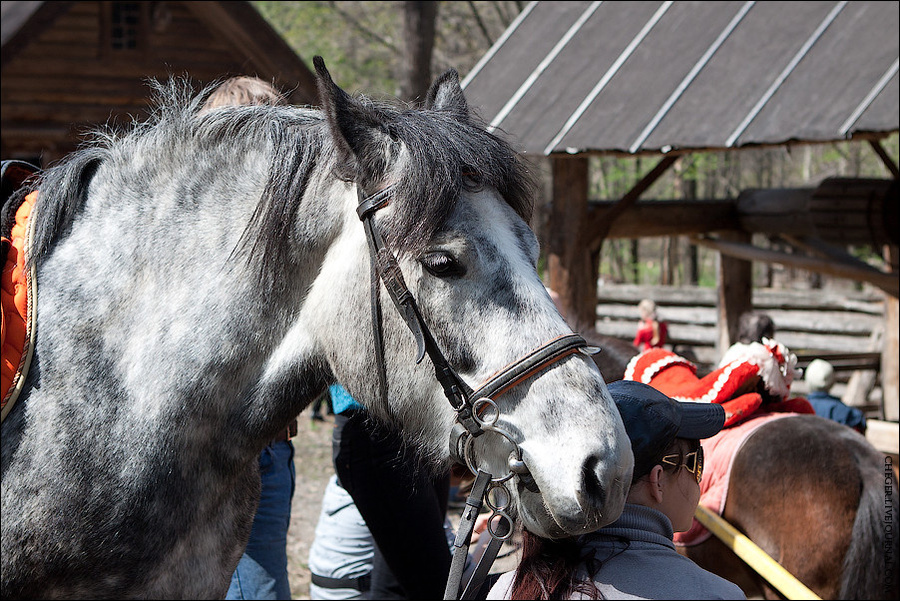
[693, 462]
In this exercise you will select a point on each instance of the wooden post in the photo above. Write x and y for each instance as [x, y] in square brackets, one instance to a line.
[735, 292]
[569, 261]
[890, 369]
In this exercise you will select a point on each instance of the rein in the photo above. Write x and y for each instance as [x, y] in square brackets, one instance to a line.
[476, 411]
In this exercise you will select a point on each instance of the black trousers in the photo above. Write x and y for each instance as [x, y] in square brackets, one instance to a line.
[403, 506]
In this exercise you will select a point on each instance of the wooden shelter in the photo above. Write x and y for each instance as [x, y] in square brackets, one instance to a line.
[568, 80]
[69, 66]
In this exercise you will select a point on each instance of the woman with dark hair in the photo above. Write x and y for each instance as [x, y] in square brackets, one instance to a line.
[754, 326]
[635, 556]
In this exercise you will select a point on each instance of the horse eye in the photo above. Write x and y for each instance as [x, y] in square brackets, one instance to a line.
[442, 265]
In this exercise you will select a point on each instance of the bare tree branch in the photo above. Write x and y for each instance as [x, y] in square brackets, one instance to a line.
[354, 22]
[480, 23]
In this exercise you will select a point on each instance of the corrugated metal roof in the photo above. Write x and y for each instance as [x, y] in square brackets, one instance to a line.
[654, 76]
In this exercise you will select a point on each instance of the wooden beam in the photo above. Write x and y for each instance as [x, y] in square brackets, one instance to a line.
[819, 247]
[571, 272]
[885, 158]
[649, 218]
[735, 291]
[888, 282]
[597, 226]
[775, 211]
[842, 211]
[779, 211]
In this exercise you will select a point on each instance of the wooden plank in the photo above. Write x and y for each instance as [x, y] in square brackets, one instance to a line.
[73, 85]
[763, 298]
[883, 435]
[843, 361]
[54, 38]
[824, 322]
[745, 251]
[200, 67]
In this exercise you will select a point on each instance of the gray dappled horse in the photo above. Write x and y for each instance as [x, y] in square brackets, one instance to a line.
[204, 277]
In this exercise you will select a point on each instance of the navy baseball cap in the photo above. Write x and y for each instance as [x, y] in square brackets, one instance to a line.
[653, 421]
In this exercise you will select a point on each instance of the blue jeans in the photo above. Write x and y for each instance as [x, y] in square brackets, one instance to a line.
[262, 571]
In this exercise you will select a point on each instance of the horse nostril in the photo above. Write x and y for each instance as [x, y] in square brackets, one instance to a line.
[592, 493]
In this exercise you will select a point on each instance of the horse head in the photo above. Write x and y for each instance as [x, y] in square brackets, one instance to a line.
[453, 202]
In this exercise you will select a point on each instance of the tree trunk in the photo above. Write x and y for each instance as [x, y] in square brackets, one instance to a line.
[419, 20]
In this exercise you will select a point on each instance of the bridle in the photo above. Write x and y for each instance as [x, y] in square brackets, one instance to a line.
[476, 411]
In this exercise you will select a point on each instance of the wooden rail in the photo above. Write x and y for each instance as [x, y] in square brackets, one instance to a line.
[761, 562]
[811, 323]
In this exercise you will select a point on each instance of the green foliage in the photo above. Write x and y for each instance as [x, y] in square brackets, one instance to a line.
[359, 61]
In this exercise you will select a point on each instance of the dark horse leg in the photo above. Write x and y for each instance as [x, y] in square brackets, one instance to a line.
[811, 493]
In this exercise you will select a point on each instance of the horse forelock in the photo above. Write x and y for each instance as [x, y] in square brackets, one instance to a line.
[443, 158]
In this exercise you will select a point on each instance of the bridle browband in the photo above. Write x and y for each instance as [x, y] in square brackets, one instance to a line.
[476, 411]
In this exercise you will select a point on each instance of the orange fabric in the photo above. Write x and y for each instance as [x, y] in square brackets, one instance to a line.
[14, 299]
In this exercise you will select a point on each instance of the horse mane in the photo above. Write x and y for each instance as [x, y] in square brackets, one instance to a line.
[446, 154]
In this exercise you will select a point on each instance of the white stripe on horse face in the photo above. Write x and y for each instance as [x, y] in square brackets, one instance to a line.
[516, 250]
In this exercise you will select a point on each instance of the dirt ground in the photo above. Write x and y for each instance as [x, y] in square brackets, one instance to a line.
[312, 460]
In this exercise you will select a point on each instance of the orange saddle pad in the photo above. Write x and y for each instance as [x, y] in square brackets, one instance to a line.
[14, 299]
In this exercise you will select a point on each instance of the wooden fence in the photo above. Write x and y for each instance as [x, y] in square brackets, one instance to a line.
[843, 327]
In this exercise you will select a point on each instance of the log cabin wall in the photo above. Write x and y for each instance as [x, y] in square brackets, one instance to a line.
[806, 321]
[75, 65]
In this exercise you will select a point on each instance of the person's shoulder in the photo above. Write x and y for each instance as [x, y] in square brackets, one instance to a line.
[705, 584]
[502, 588]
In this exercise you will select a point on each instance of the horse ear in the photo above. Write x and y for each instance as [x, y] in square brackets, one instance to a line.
[353, 126]
[446, 94]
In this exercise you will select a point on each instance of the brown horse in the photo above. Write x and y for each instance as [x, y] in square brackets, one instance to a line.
[818, 498]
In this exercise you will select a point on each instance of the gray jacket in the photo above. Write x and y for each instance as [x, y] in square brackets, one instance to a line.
[638, 560]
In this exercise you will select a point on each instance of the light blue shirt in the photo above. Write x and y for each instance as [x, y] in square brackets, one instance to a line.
[341, 400]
